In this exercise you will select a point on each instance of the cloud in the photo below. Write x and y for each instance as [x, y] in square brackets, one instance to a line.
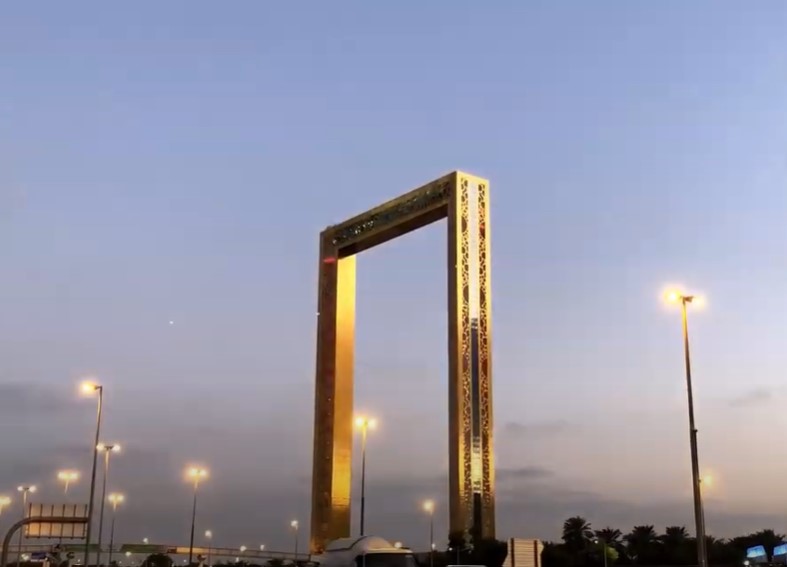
[540, 428]
[755, 397]
[19, 398]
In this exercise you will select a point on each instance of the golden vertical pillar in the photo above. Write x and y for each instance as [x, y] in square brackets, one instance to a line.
[464, 200]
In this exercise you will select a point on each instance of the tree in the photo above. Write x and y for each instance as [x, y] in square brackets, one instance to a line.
[675, 546]
[642, 544]
[610, 536]
[157, 560]
[576, 533]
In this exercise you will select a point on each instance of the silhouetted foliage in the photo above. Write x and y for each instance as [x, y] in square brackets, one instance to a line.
[643, 546]
[157, 560]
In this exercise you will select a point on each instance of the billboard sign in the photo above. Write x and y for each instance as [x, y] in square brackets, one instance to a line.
[56, 529]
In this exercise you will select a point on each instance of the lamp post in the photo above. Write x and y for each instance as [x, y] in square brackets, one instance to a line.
[195, 474]
[209, 537]
[115, 498]
[67, 477]
[89, 389]
[4, 502]
[603, 543]
[699, 520]
[429, 509]
[107, 450]
[364, 424]
[294, 526]
[25, 490]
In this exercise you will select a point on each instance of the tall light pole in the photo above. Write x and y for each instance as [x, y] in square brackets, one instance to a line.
[699, 520]
[364, 424]
[195, 474]
[209, 537]
[115, 498]
[89, 389]
[603, 543]
[67, 477]
[294, 525]
[107, 450]
[429, 509]
[5, 501]
[25, 490]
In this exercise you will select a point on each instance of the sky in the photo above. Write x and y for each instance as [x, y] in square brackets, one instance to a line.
[166, 168]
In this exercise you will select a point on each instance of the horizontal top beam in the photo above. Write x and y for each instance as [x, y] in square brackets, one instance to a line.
[394, 218]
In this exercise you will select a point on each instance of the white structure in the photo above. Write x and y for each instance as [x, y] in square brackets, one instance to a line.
[364, 551]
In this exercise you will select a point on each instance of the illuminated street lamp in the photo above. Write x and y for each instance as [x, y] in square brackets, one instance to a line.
[209, 537]
[429, 509]
[195, 475]
[699, 520]
[243, 548]
[5, 501]
[107, 449]
[90, 389]
[67, 477]
[262, 547]
[25, 490]
[115, 498]
[364, 424]
[294, 526]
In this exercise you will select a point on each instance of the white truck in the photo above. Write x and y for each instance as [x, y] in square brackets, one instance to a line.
[364, 551]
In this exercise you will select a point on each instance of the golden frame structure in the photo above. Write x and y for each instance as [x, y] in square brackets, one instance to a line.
[464, 200]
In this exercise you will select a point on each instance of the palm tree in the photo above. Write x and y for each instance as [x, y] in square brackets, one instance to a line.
[676, 549]
[610, 536]
[576, 533]
[642, 544]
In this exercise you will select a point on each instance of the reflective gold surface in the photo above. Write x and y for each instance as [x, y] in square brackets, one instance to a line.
[463, 200]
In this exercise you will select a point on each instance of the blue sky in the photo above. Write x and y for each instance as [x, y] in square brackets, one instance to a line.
[176, 162]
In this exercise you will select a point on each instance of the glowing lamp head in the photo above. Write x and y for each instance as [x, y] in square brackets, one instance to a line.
[30, 489]
[208, 534]
[243, 548]
[68, 476]
[429, 506]
[88, 388]
[116, 498]
[362, 422]
[109, 447]
[196, 474]
[5, 500]
[128, 554]
[294, 524]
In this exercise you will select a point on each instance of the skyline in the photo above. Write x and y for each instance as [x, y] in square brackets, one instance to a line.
[165, 174]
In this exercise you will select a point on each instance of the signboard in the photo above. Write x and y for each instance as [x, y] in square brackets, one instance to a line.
[757, 554]
[57, 530]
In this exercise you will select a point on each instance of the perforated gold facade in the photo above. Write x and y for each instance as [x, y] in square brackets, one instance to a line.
[463, 200]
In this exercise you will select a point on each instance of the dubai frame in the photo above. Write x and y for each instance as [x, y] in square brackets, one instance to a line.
[464, 200]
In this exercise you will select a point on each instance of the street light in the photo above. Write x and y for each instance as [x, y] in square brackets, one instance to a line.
[4, 502]
[429, 509]
[243, 548]
[89, 389]
[364, 424]
[262, 547]
[699, 520]
[603, 543]
[209, 537]
[107, 449]
[67, 477]
[294, 526]
[25, 490]
[194, 474]
[115, 498]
